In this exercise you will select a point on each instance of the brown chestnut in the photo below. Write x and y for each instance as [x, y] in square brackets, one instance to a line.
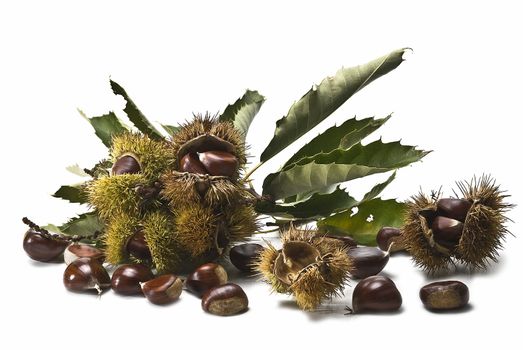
[446, 231]
[390, 235]
[126, 164]
[137, 246]
[43, 248]
[84, 274]
[367, 261]
[219, 163]
[375, 294]
[126, 279]
[80, 250]
[444, 295]
[190, 163]
[453, 208]
[225, 300]
[243, 256]
[163, 289]
[205, 277]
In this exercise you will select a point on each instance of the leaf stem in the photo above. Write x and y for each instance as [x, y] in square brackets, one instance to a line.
[252, 170]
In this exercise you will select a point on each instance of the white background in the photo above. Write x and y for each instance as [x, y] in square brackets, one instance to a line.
[458, 94]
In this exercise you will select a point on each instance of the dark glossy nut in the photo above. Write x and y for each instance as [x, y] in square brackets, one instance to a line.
[84, 274]
[190, 163]
[225, 300]
[137, 246]
[43, 248]
[126, 164]
[127, 278]
[367, 261]
[219, 163]
[243, 256]
[205, 277]
[444, 295]
[163, 289]
[446, 231]
[376, 294]
[390, 235]
[80, 250]
[454, 208]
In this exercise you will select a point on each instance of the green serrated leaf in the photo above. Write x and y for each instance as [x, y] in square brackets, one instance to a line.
[316, 206]
[105, 126]
[364, 225]
[75, 169]
[135, 115]
[378, 188]
[171, 129]
[73, 194]
[243, 111]
[84, 225]
[344, 136]
[325, 169]
[319, 102]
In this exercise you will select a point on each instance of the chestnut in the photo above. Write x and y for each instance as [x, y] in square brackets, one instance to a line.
[367, 261]
[225, 300]
[444, 295]
[80, 250]
[163, 289]
[390, 235]
[84, 274]
[375, 294]
[190, 163]
[219, 163]
[205, 277]
[454, 208]
[137, 246]
[446, 231]
[348, 242]
[126, 279]
[126, 164]
[42, 247]
[243, 256]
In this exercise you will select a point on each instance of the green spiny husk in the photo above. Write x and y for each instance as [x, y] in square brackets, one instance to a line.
[118, 231]
[196, 227]
[160, 235]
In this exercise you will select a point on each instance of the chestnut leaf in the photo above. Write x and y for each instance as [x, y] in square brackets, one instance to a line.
[84, 225]
[171, 129]
[134, 114]
[364, 225]
[325, 169]
[105, 126]
[344, 136]
[242, 112]
[322, 100]
[73, 194]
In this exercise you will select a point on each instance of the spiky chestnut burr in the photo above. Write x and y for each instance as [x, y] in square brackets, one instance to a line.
[311, 267]
[440, 232]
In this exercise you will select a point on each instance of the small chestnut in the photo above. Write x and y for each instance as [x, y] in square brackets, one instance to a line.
[446, 231]
[126, 279]
[390, 235]
[84, 274]
[190, 163]
[444, 295]
[205, 277]
[367, 261]
[225, 300]
[454, 208]
[80, 250]
[137, 246]
[375, 294]
[243, 256]
[43, 248]
[126, 164]
[219, 163]
[163, 289]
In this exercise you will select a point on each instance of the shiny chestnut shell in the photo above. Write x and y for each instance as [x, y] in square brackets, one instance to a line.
[387, 236]
[243, 256]
[80, 250]
[225, 300]
[126, 279]
[137, 246]
[454, 208]
[190, 163]
[444, 295]
[376, 294]
[163, 289]
[367, 261]
[43, 248]
[205, 277]
[447, 232]
[219, 163]
[126, 164]
[84, 274]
